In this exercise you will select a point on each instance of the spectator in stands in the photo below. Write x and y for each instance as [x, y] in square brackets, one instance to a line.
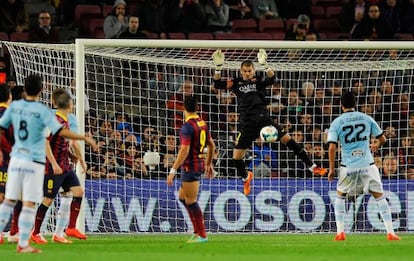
[360, 91]
[351, 14]
[117, 22]
[239, 9]
[319, 155]
[391, 13]
[151, 140]
[264, 9]
[175, 104]
[300, 29]
[390, 167]
[293, 107]
[13, 16]
[187, 16]
[373, 26]
[264, 159]
[411, 125]
[153, 16]
[294, 7]
[217, 15]
[132, 32]
[113, 169]
[45, 32]
[406, 154]
[407, 13]
[390, 132]
[307, 93]
[131, 160]
[168, 152]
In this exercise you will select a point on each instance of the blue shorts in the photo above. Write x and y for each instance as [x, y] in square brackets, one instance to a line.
[52, 183]
[190, 176]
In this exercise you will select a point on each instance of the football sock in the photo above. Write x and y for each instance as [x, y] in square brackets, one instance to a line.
[299, 151]
[74, 211]
[385, 213]
[5, 211]
[241, 168]
[26, 220]
[63, 215]
[339, 213]
[198, 216]
[14, 226]
[40, 216]
[193, 221]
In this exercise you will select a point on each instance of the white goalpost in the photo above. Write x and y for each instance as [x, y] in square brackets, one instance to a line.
[132, 92]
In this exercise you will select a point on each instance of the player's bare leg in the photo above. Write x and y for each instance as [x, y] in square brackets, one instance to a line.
[385, 212]
[190, 191]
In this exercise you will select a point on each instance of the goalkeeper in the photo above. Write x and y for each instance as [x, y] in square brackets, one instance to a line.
[250, 92]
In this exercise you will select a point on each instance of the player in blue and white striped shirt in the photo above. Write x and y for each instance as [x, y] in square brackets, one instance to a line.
[30, 120]
[358, 173]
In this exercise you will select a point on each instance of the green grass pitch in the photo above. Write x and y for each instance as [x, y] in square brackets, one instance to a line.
[231, 247]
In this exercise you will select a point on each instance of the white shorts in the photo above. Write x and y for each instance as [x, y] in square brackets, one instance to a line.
[25, 180]
[356, 181]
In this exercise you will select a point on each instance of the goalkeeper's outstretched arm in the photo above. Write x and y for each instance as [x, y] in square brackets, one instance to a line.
[218, 60]
[262, 59]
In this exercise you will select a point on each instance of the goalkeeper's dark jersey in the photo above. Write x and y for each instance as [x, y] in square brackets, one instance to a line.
[250, 96]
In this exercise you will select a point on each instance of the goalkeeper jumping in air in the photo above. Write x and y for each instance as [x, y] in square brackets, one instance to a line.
[250, 92]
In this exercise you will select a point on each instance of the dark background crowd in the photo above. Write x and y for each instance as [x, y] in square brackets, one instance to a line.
[304, 104]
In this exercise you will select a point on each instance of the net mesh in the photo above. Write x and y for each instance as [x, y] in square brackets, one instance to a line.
[133, 104]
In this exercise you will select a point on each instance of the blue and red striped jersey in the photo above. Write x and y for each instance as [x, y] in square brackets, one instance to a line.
[60, 146]
[7, 140]
[195, 134]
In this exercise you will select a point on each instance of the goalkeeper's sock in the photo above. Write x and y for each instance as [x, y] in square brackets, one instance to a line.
[74, 211]
[385, 213]
[199, 219]
[5, 211]
[192, 218]
[241, 168]
[40, 216]
[26, 221]
[14, 226]
[63, 215]
[339, 213]
[299, 151]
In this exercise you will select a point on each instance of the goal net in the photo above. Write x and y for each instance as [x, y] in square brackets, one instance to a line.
[132, 93]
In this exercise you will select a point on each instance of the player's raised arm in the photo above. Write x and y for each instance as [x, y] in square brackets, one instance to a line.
[218, 60]
[262, 59]
[74, 136]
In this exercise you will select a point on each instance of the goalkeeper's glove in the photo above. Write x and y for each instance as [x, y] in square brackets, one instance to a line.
[218, 59]
[262, 58]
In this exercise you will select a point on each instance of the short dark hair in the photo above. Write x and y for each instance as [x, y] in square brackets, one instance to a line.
[33, 85]
[4, 93]
[190, 103]
[17, 92]
[247, 63]
[348, 99]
